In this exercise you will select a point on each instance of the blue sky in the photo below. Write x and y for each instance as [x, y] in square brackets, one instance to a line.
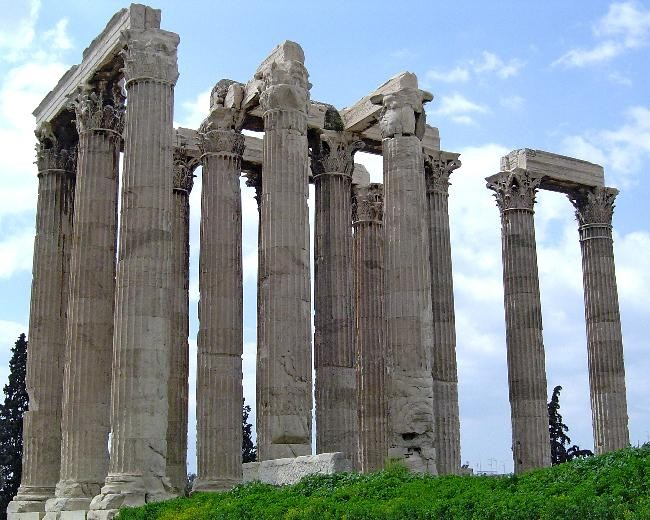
[567, 77]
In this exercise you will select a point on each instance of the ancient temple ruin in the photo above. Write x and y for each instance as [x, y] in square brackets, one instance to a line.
[109, 321]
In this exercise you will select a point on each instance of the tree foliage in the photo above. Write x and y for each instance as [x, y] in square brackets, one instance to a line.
[248, 448]
[15, 405]
[560, 452]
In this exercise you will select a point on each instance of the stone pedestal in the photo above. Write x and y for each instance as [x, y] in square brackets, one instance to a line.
[594, 210]
[56, 159]
[142, 343]
[515, 194]
[438, 168]
[183, 181]
[334, 359]
[407, 280]
[372, 381]
[89, 350]
[284, 362]
[219, 379]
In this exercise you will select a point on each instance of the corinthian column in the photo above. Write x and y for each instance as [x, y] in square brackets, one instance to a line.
[515, 194]
[56, 160]
[594, 210]
[87, 386]
[438, 168]
[219, 391]
[284, 390]
[177, 396]
[142, 343]
[407, 279]
[372, 382]
[334, 361]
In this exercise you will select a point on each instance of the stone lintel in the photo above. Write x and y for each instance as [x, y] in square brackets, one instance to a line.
[558, 172]
[99, 55]
[290, 470]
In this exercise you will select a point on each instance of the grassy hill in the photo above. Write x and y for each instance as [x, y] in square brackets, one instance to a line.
[612, 486]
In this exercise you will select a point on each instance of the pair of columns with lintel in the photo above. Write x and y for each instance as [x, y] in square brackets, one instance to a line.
[515, 193]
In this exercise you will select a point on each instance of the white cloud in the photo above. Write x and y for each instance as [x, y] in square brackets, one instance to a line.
[619, 79]
[17, 28]
[488, 64]
[459, 109]
[622, 151]
[456, 75]
[626, 26]
[514, 103]
[16, 253]
[195, 110]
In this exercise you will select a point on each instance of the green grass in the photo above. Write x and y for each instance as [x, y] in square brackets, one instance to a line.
[612, 486]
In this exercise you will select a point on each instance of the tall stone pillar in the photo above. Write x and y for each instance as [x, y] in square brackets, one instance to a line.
[438, 168]
[372, 381]
[177, 396]
[219, 391]
[85, 424]
[594, 210]
[515, 194]
[407, 279]
[56, 160]
[143, 298]
[284, 388]
[332, 164]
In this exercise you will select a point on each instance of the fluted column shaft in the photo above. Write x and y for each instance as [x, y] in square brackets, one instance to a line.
[594, 210]
[372, 381]
[89, 343]
[444, 369]
[515, 194]
[284, 362]
[334, 358]
[219, 391]
[47, 324]
[143, 299]
[183, 181]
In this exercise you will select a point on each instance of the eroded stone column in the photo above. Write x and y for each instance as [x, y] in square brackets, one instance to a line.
[183, 181]
[438, 168]
[56, 160]
[594, 210]
[219, 391]
[332, 164]
[407, 279]
[372, 382]
[85, 421]
[284, 382]
[515, 194]
[143, 299]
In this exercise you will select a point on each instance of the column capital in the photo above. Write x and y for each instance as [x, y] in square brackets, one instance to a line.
[254, 180]
[219, 133]
[150, 55]
[402, 112]
[285, 86]
[438, 167]
[333, 152]
[368, 203]
[100, 107]
[184, 166]
[514, 189]
[594, 205]
[53, 152]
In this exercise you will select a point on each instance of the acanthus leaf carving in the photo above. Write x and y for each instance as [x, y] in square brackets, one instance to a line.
[438, 167]
[368, 203]
[53, 153]
[100, 107]
[594, 205]
[333, 152]
[150, 54]
[183, 169]
[515, 189]
[220, 132]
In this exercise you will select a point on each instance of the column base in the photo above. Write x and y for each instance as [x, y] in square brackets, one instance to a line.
[67, 508]
[29, 503]
[216, 485]
[126, 491]
[416, 460]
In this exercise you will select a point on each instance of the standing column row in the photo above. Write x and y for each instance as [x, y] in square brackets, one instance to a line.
[56, 160]
[219, 389]
[438, 168]
[409, 333]
[371, 355]
[284, 361]
[335, 386]
[594, 210]
[515, 195]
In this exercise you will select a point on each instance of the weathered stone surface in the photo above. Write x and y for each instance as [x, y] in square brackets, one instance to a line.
[287, 471]
[557, 172]
[370, 345]
[515, 195]
[438, 168]
[594, 210]
[56, 160]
